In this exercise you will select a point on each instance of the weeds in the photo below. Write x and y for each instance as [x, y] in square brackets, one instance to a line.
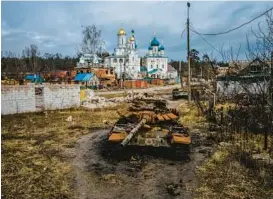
[33, 164]
[225, 176]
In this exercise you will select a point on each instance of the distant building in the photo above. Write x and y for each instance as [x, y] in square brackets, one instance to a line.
[125, 60]
[253, 78]
[87, 79]
[155, 60]
[89, 60]
[171, 72]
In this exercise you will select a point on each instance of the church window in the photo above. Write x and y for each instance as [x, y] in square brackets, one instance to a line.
[120, 60]
[151, 66]
[157, 66]
[115, 60]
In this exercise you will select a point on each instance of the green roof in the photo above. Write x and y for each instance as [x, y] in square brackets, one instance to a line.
[153, 71]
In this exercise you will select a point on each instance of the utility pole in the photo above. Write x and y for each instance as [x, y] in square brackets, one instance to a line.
[189, 60]
[271, 84]
[180, 74]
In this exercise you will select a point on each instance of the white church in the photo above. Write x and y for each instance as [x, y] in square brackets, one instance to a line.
[155, 60]
[125, 60]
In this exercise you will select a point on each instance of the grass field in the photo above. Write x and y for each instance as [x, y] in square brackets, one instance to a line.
[33, 164]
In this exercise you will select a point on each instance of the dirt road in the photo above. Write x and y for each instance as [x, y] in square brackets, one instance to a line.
[136, 176]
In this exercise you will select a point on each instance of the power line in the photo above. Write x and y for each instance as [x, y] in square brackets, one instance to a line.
[205, 41]
[228, 31]
[183, 32]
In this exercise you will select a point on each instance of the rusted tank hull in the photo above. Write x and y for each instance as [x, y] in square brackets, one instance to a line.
[151, 125]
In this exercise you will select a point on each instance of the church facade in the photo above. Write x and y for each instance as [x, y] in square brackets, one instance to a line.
[125, 59]
[155, 60]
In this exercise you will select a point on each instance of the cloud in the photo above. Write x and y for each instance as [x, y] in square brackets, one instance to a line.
[56, 26]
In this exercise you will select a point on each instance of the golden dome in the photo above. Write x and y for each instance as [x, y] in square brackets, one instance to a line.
[121, 31]
[132, 38]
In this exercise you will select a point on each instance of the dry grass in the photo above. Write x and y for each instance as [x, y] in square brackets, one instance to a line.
[190, 116]
[223, 176]
[33, 164]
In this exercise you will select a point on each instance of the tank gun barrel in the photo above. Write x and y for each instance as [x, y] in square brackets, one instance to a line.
[132, 133]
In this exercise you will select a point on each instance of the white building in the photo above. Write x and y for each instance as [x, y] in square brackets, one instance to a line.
[155, 60]
[88, 60]
[125, 59]
[171, 72]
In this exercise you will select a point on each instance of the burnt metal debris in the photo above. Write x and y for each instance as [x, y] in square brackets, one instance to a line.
[149, 123]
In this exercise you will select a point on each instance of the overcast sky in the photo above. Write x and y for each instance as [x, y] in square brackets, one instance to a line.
[55, 27]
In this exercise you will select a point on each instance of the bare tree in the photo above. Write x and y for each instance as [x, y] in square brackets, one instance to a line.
[92, 41]
[30, 54]
[264, 41]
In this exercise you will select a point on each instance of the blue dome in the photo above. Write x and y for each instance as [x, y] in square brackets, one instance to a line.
[150, 48]
[161, 48]
[155, 42]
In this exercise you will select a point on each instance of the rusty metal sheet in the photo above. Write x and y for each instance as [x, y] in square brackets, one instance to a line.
[172, 116]
[160, 118]
[166, 117]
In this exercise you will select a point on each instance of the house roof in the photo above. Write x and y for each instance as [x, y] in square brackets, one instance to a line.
[34, 78]
[170, 68]
[84, 77]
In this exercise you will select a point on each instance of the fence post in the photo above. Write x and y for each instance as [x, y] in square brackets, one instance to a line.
[221, 122]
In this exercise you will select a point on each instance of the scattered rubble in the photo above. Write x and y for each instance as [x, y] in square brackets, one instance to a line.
[93, 102]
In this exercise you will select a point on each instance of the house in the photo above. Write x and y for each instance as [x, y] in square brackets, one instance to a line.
[106, 76]
[254, 78]
[87, 79]
[87, 60]
[171, 72]
[256, 67]
[59, 75]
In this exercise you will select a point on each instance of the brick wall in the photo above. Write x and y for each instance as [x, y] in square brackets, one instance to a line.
[17, 99]
[61, 96]
[22, 98]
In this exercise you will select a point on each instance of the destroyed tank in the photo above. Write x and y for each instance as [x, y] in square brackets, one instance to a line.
[148, 123]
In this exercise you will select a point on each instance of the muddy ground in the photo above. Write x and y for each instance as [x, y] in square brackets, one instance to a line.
[138, 175]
